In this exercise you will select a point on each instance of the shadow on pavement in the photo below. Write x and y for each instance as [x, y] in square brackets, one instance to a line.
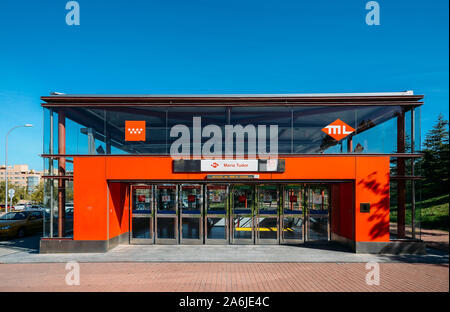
[29, 244]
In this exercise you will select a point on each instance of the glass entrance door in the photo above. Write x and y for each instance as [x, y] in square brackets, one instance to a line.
[166, 223]
[292, 217]
[191, 214]
[318, 213]
[242, 209]
[142, 214]
[216, 216]
[266, 215]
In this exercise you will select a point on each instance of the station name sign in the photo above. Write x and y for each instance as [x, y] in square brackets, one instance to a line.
[232, 177]
[228, 165]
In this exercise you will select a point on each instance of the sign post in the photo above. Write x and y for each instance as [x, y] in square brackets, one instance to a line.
[11, 193]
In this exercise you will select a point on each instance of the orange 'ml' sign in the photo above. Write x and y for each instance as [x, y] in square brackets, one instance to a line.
[338, 129]
[134, 130]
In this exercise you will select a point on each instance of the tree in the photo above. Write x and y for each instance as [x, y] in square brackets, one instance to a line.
[38, 195]
[2, 192]
[435, 163]
[20, 194]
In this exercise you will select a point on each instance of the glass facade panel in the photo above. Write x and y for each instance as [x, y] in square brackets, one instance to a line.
[50, 203]
[141, 227]
[292, 228]
[217, 197]
[417, 130]
[184, 116]
[377, 140]
[191, 199]
[166, 199]
[260, 117]
[155, 128]
[102, 131]
[293, 199]
[243, 227]
[243, 199]
[308, 122]
[191, 228]
[267, 227]
[216, 228]
[267, 199]
[166, 227]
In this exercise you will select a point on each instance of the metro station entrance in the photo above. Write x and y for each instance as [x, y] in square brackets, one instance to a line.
[227, 213]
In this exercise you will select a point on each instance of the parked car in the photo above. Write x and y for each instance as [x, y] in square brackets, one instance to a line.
[34, 207]
[19, 207]
[21, 223]
[69, 211]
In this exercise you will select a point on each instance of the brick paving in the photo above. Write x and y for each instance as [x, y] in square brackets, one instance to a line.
[433, 238]
[226, 277]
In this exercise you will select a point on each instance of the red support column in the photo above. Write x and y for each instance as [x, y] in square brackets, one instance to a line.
[61, 172]
[401, 186]
[350, 144]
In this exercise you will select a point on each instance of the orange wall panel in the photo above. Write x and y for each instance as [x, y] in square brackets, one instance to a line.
[372, 186]
[91, 198]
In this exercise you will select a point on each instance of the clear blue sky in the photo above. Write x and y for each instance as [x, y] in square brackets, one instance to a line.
[214, 46]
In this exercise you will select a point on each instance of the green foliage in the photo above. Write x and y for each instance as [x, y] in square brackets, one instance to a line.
[435, 163]
[432, 213]
[21, 192]
[38, 195]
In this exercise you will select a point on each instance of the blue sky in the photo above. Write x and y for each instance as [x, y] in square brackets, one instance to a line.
[214, 46]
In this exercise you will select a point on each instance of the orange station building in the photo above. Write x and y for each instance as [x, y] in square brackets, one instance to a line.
[232, 169]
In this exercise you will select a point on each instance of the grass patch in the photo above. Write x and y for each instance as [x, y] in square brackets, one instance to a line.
[432, 213]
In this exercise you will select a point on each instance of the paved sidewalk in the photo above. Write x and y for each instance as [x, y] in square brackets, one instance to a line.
[224, 253]
[433, 238]
[436, 239]
[226, 277]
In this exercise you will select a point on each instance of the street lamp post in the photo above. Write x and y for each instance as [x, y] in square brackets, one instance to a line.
[6, 163]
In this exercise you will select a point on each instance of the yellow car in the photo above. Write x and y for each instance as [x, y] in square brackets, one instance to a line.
[20, 223]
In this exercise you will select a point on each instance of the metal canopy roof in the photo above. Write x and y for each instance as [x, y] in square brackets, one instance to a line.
[406, 98]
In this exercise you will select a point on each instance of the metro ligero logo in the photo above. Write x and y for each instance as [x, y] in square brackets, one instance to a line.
[338, 129]
[214, 165]
[135, 130]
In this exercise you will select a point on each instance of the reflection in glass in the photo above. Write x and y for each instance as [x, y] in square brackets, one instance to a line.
[217, 199]
[191, 198]
[267, 228]
[141, 227]
[267, 199]
[293, 228]
[166, 227]
[216, 228]
[318, 228]
[243, 199]
[293, 200]
[191, 228]
[166, 196]
[318, 214]
[101, 130]
[142, 198]
[242, 227]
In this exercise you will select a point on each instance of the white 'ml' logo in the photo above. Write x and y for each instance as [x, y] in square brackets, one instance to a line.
[337, 129]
